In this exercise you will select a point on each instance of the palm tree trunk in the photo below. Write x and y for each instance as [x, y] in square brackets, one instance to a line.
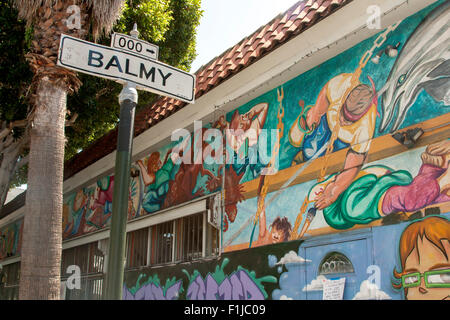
[42, 236]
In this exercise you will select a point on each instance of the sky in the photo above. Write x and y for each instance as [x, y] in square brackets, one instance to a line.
[226, 22]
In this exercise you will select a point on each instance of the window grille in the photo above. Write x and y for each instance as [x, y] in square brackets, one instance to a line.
[335, 262]
[192, 237]
[9, 285]
[137, 243]
[90, 259]
[162, 244]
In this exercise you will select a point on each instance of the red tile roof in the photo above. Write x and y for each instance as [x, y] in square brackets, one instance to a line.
[281, 29]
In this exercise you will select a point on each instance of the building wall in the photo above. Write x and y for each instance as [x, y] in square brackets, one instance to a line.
[11, 239]
[174, 184]
[395, 186]
[369, 217]
[291, 270]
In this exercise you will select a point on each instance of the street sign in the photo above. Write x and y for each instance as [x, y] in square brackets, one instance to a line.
[134, 45]
[110, 63]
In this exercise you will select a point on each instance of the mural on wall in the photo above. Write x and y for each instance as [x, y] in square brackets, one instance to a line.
[345, 102]
[377, 194]
[422, 65]
[416, 267]
[242, 284]
[380, 190]
[11, 239]
[424, 249]
[345, 110]
[151, 289]
[90, 208]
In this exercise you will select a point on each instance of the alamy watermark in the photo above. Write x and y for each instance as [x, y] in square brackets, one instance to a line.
[375, 275]
[74, 280]
[74, 20]
[374, 19]
[248, 146]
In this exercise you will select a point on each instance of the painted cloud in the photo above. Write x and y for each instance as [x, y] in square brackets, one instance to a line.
[292, 257]
[316, 284]
[370, 291]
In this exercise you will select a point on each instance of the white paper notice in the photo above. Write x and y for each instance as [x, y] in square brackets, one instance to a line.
[333, 289]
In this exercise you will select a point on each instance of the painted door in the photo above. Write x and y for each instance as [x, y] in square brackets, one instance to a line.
[347, 258]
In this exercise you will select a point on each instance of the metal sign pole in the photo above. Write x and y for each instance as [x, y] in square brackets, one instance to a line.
[116, 261]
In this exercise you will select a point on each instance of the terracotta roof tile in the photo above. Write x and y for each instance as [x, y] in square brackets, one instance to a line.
[278, 31]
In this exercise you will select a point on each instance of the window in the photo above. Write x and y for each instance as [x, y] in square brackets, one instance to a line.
[90, 259]
[212, 246]
[9, 285]
[335, 262]
[183, 239]
[137, 244]
[192, 237]
[162, 242]
[188, 238]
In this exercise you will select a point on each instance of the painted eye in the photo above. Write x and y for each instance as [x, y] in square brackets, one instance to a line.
[411, 279]
[439, 278]
[401, 79]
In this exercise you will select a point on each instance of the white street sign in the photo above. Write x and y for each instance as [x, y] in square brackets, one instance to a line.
[134, 45]
[148, 74]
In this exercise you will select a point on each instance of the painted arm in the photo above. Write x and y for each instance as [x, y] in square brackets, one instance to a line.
[319, 109]
[262, 225]
[353, 164]
[145, 176]
[260, 110]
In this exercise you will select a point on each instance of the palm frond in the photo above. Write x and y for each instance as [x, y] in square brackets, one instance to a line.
[28, 8]
[104, 13]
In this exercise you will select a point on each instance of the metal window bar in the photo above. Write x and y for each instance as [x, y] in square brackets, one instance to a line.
[174, 239]
[90, 259]
[192, 237]
[149, 246]
[91, 288]
[137, 242]
[164, 242]
[9, 287]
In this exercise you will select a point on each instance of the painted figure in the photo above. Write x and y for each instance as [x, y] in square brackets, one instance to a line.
[10, 240]
[242, 135]
[379, 190]
[279, 231]
[101, 204]
[156, 180]
[233, 194]
[424, 254]
[353, 115]
[76, 215]
[184, 186]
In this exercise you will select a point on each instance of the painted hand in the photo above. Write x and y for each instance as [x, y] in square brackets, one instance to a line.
[213, 183]
[329, 196]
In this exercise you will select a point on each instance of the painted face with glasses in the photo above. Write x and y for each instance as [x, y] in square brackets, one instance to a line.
[425, 254]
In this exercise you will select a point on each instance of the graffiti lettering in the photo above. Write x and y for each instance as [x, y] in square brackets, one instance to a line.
[238, 286]
[153, 292]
